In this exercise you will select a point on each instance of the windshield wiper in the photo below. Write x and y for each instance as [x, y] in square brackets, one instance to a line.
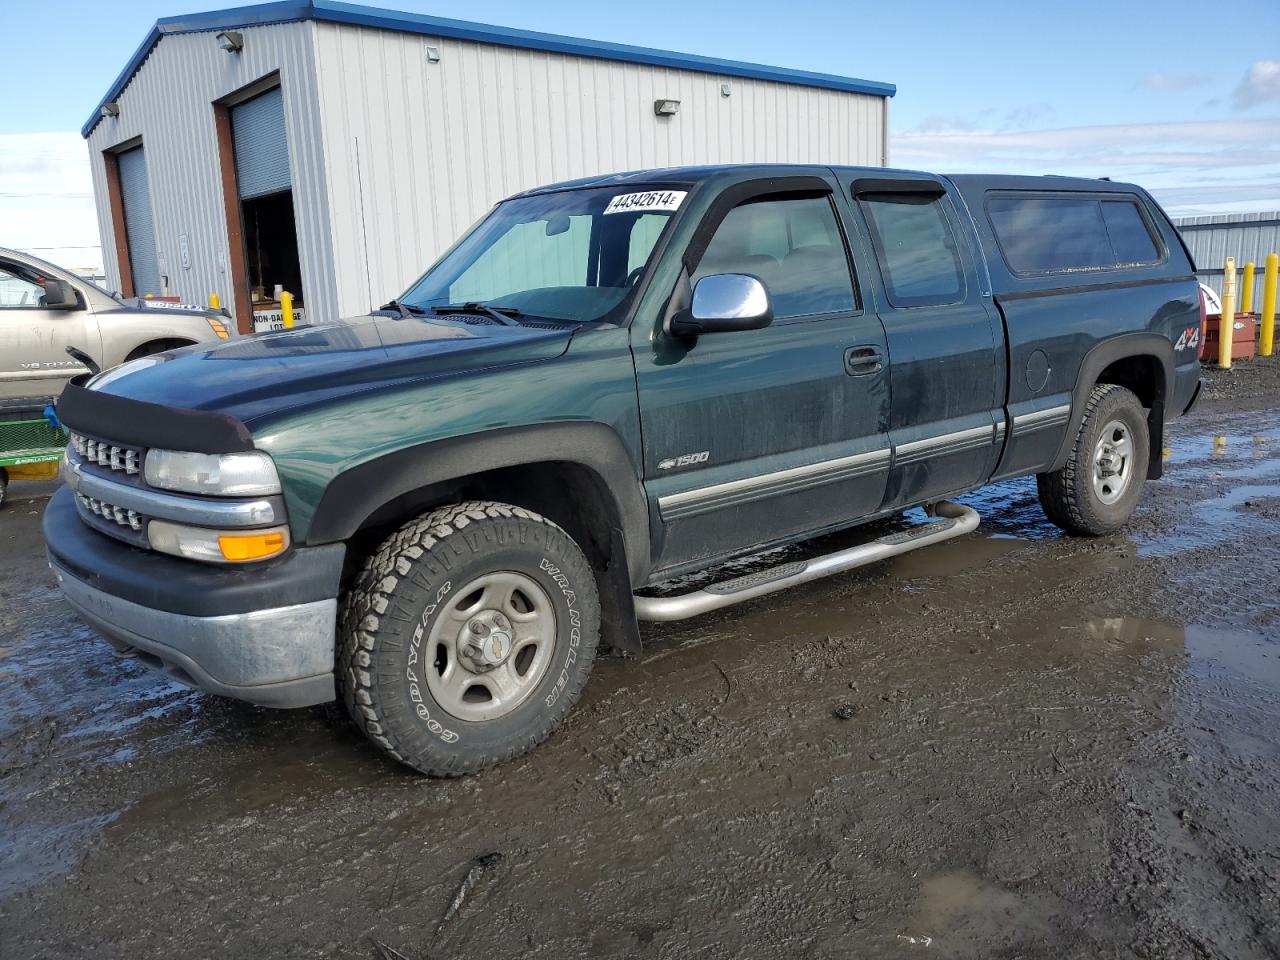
[407, 311]
[502, 314]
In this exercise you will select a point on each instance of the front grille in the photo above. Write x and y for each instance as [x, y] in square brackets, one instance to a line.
[118, 515]
[118, 522]
[113, 456]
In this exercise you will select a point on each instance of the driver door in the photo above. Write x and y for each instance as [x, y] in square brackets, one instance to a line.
[34, 339]
[756, 436]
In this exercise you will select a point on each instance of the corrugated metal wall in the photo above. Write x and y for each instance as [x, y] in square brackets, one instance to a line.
[417, 151]
[392, 157]
[1248, 237]
[169, 104]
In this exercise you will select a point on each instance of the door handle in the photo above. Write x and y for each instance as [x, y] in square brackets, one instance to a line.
[863, 361]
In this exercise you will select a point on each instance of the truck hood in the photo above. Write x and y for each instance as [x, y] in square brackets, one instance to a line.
[254, 377]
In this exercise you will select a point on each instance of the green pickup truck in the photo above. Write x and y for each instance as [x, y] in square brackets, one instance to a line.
[439, 512]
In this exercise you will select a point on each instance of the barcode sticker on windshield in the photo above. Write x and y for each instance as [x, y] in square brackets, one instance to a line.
[644, 202]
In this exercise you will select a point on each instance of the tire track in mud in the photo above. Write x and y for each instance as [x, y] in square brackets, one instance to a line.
[1054, 747]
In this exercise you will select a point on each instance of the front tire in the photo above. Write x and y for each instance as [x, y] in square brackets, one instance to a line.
[1098, 488]
[468, 637]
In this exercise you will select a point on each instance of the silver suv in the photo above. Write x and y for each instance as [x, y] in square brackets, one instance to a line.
[45, 309]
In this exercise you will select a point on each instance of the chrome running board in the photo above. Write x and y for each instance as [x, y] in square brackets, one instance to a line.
[956, 521]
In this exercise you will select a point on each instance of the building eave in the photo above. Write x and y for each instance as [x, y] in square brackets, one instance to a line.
[333, 11]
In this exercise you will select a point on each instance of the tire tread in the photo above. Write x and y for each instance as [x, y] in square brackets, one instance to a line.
[1065, 494]
[369, 599]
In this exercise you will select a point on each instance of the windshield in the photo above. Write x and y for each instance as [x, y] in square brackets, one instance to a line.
[575, 255]
[54, 270]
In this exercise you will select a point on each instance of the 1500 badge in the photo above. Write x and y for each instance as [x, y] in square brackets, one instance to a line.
[684, 460]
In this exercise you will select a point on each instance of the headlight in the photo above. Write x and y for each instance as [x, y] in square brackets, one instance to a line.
[247, 474]
[217, 546]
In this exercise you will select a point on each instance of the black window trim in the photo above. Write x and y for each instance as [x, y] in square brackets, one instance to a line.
[15, 268]
[1157, 238]
[780, 188]
[949, 219]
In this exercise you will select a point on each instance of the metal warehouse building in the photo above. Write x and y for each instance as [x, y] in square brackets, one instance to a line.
[1248, 237]
[335, 151]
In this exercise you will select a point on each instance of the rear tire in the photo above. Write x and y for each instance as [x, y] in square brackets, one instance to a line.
[468, 637]
[1097, 489]
[4, 484]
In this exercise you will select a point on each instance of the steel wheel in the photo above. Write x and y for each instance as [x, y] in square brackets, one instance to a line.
[490, 646]
[1112, 462]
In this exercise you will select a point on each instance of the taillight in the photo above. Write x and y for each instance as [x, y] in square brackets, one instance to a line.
[1204, 309]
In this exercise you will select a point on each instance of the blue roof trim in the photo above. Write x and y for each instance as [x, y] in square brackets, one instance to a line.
[280, 12]
[334, 11]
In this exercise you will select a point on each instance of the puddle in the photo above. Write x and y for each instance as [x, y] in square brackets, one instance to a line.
[952, 557]
[1247, 462]
[1012, 507]
[1115, 636]
[1218, 520]
[1247, 659]
[957, 910]
[39, 852]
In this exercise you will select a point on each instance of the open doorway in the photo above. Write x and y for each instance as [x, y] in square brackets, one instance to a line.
[258, 198]
[271, 250]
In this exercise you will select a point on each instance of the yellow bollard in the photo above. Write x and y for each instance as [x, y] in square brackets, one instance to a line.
[1269, 277]
[214, 302]
[286, 307]
[1246, 289]
[1227, 322]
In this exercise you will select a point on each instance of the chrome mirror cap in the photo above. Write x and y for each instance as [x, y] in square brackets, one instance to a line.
[730, 296]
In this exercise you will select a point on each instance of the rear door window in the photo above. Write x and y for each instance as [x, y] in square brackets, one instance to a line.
[916, 248]
[1061, 234]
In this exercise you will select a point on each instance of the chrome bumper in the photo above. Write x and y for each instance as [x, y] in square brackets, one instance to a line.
[276, 657]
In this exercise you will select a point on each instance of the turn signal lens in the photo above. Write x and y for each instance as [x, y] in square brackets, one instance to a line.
[243, 547]
[219, 328]
[217, 546]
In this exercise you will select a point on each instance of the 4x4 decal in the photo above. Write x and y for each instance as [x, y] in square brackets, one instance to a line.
[1190, 338]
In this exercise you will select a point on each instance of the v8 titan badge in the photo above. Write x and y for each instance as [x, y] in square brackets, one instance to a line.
[650, 200]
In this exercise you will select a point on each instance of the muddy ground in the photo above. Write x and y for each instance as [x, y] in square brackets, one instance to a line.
[1017, 744]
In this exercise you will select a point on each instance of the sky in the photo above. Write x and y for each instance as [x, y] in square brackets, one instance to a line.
[1173, 95]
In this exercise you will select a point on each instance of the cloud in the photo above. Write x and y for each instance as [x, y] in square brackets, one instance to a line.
[1261, 84]
[1204, 158]
[1172, 82]
[1014, 118]
[46, 198]
[937, 123]
[1027, 115]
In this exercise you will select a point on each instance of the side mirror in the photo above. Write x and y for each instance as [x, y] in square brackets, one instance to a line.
[724, 302]
[60, 295]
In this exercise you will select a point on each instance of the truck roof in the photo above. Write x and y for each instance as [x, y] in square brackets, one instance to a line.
[966, 182]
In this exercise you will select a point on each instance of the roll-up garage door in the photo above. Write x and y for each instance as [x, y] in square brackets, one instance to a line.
[262, 155]
[139, 227]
